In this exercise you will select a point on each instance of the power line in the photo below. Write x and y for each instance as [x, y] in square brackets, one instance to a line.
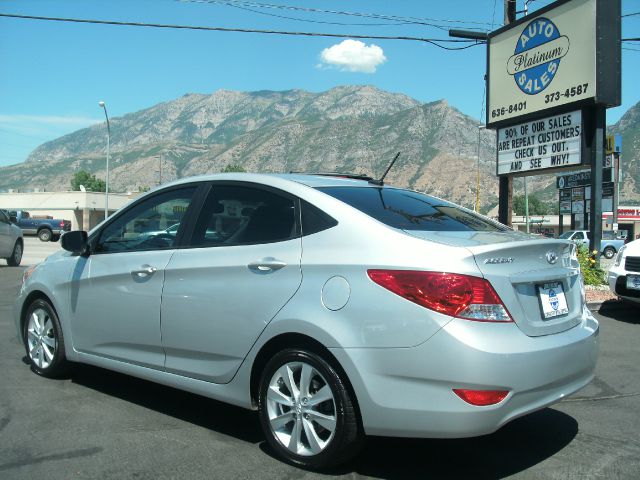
[433, 41]
[238, 6]
[630, 14]
[637, 39]
[414, 20]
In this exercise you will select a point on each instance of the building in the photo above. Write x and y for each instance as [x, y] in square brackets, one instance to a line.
[628, 219]
[83, 209]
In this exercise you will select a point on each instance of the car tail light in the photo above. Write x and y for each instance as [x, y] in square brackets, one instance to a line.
[61, 223]
[461, 296]
[481, 398]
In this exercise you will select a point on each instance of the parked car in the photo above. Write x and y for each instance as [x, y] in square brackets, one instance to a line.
[11, 243]
[47, 229]
[335, 307]
[624, 275]
[608, 246]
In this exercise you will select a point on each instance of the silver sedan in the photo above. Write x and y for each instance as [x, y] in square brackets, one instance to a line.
[11, 241]
[335, 307]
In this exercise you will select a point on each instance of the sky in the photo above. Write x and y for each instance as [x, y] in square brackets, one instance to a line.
[53, 74]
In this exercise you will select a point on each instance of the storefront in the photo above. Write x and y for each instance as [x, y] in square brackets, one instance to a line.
[628, 219]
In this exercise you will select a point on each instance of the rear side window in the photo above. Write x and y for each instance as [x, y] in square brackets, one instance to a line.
[315, 220]
[239, 215]
[409, 210]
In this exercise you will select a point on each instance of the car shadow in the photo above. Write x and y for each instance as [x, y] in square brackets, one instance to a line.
[223, 418]
[516, 447]
[620, 310]
[519, 445]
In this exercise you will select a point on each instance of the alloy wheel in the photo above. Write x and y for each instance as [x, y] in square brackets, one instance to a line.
[41, 339]
[301, 409]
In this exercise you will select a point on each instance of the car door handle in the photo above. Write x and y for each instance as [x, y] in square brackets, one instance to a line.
[145, 271]
[266, 265]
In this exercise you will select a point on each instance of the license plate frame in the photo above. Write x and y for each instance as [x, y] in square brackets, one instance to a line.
[553, 301]
[633, 282]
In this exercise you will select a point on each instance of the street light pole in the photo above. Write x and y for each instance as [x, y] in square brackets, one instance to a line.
[106, 198]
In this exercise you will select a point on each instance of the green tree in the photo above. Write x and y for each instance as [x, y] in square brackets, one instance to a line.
[536, 206]
[233, 168]
[89, 181]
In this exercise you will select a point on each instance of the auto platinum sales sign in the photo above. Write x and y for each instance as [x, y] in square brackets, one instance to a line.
[551, 142]
[553, 58]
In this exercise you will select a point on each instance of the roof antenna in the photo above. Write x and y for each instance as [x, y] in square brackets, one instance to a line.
[381, 181]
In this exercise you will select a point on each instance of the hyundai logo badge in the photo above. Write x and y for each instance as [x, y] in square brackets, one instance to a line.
[552, 257]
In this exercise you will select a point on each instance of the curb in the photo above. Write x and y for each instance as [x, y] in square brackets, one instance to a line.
[594, 306]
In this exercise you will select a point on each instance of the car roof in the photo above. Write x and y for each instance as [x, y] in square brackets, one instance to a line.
[310, 180]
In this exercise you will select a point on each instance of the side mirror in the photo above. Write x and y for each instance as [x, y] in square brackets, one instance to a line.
[13, 219]
[75, 242]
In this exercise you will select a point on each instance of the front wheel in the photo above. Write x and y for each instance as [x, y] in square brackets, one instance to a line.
[609, 253]
[16, 256]
[306, 412]
[45, 235]
[43, 340]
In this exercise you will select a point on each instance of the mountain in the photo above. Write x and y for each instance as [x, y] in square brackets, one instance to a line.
[356, 129]
[629, 128]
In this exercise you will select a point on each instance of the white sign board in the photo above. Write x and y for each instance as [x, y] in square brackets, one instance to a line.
[544, 62]
[551, 142]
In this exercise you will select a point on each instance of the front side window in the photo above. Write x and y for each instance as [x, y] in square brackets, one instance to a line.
[239, 215]
[409, 210]
[578, 236]
[3, 217]
[150, 225]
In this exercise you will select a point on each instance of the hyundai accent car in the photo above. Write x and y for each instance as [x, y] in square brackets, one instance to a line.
[335, 307]
[624, 274]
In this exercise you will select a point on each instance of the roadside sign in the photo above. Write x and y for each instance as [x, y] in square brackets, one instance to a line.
[563, 55]
[581, 179]
[548, 143]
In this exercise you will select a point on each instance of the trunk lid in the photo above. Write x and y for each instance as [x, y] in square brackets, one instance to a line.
[531, 275]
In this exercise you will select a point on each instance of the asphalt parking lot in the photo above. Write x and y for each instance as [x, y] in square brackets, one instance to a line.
[100, 424]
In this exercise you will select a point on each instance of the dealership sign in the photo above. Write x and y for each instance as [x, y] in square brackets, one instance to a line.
[547, 143]
[562, 55]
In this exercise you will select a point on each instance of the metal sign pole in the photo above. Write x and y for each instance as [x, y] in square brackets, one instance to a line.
[596, 137]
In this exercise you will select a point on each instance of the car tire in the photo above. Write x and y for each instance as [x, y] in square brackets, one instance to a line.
[608, 253]
[16, 256]
[45, 235]
[307, 414]
[44, 341]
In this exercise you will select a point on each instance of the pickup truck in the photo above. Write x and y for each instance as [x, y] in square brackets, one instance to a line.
[47, 229]
[608, 246]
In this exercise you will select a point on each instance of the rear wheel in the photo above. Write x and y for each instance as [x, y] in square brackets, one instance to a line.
[16, 256]
[44, 235]
[609, 252]
[306, 412]
[43, 340]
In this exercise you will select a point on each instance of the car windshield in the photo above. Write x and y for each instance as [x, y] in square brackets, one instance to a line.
[409, 210]
[566, 235]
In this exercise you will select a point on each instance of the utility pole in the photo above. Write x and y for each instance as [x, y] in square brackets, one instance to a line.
[505, 188]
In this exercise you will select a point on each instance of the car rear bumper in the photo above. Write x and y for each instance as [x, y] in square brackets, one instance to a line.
[408, 392]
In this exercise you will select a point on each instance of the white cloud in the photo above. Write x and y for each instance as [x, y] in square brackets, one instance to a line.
[52, 121]
[353, 56]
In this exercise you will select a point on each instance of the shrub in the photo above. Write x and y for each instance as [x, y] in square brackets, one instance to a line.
[592, 274]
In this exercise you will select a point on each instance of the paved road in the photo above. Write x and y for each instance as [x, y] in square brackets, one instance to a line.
[102, 425]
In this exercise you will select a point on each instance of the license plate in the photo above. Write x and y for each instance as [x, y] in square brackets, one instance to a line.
[633, 282]
[552, 299]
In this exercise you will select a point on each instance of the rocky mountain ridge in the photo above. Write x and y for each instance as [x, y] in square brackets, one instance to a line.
[355, 129]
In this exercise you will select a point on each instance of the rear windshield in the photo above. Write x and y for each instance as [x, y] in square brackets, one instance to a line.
[411, 210]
